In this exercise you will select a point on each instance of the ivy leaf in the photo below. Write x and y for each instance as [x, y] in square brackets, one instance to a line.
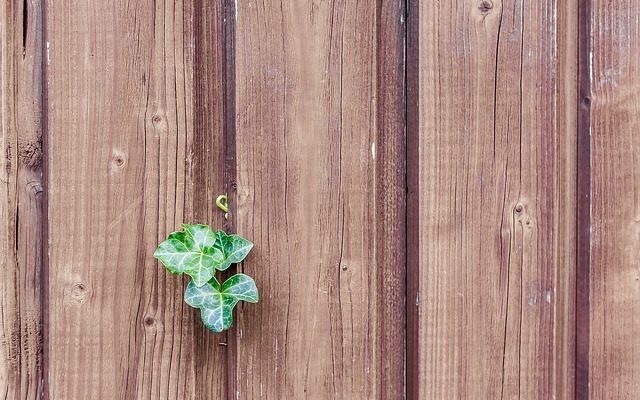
[241, 287]
[234, 247]
[192, 251]
[216, 301]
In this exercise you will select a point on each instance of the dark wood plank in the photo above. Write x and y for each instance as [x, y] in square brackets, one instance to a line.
[390, 203]
[207, 171]
[319, 163]
[21, 201]
[583, 220]
[413, 199]
[614, 58]
[496, 165]
[126, 167]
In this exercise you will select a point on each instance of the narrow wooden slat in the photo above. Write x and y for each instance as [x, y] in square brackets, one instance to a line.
[614, 58]
[21, 201]
[318, 144]
[125, 169]
[412, 116]
[563, 348]
[390, 203]
[583, 208]
[496, 218]
[207, 173]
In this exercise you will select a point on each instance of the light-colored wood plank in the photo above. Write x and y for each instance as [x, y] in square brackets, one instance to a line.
[308, 136]
[496, 165]
[124, 163]
[21, 201]
[614, 58]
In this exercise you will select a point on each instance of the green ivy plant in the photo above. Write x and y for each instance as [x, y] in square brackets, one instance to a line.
[199, 252]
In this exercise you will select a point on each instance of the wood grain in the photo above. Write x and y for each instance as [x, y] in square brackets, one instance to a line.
[412, 227]
[310, 129]
[583, 207]
[491, 245]
[614, 55]
[207, 172]
[391, 197]
[21, 201]
[125, 169]
[496, 165]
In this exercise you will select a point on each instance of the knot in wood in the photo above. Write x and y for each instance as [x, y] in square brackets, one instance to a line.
[35, 187]
[485, 6]
[79, 292]
[118, 159]
[30, 153]
[157, 120]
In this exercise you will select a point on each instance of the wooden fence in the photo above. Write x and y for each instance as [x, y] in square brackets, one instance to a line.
[444, 197]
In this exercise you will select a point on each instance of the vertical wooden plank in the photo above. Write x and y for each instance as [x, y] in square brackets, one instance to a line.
[314, 148]
[125, 169]
[496, 168]
[230, 13]
[583, 222]
[614, 57]
[207, 177]
[21, 200]
[563, 347]
[390, 186]
[413, 197]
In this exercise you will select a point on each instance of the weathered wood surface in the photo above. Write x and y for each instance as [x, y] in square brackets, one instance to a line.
[207, 175]
[315, 149]
[499, 260]
[614, 58]
[21, 201]
[583, 206]
[125, 168]
[496, 218]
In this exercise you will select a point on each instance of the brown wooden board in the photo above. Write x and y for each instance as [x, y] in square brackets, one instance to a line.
[21, 201]
[496, 200]
[442, 197]
[210, 99]
[134, 144]
[583, 206]
[613, 58]
[319, 140]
